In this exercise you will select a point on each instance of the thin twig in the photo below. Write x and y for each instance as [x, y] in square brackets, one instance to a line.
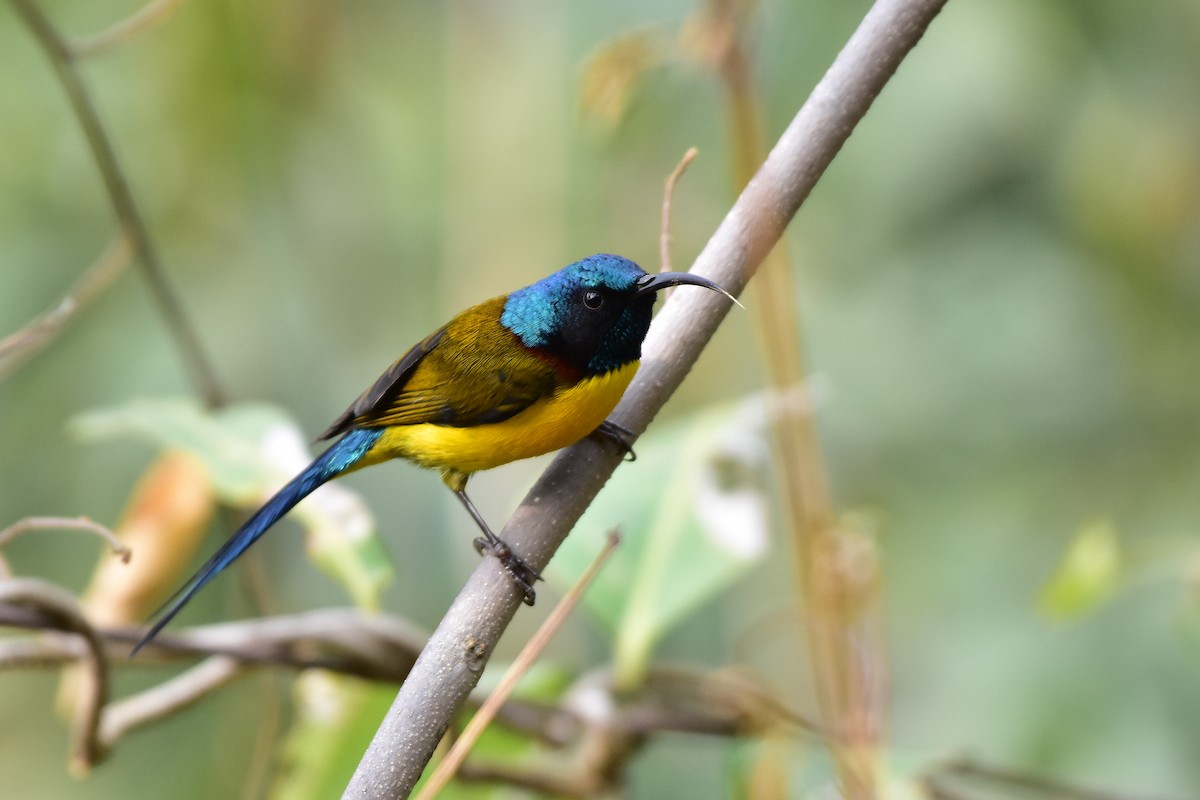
[120, 549]
[166, 698]
[63, 613]
[524, 660]
[1014, 779]
[371, 647]
[20, 345]
[571, 784]
[147, 17]
[375, 646]
[664, 239]
[614, 726]
[670, 700]
[452, 662]
[60, 55]
[266, 739]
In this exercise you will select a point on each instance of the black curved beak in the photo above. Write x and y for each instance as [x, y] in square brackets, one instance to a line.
[649, 284]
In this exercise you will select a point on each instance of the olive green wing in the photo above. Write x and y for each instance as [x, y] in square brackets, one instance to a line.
[471, 372]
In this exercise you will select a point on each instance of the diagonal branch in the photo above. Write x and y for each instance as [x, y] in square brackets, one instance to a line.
[58, 50]
[457, 652]
[153, 13]
[21, 345]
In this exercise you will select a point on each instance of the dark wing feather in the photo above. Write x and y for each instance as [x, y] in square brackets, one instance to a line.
[471, 372]
[386, 387]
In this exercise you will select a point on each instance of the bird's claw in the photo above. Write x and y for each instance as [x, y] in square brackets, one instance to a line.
[516, 567]
[621, 437]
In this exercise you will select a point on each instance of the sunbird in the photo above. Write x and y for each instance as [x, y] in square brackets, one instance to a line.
[514, 377]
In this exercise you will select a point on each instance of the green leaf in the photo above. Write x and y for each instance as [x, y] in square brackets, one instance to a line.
[226, 442]
[1087, 575]
[250, 451]
[694, 515]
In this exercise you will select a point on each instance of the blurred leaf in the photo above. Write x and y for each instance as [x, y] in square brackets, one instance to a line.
[164, 522]
[226, 442]
[1087, 574]
[695, 517]
[336, 717]
[613, 72]
[249, 452]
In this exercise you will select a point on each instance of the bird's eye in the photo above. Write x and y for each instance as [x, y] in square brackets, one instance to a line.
[593, 300]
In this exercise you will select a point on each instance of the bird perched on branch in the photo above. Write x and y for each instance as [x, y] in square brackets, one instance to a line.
[514, 377]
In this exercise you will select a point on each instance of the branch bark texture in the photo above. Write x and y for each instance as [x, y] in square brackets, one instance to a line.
[458, 651]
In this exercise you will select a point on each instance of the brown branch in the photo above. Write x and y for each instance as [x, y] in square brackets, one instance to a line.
[168, 697]
[566, 782]
[130, 219]
[614, 727]
[62, 612]
[371, 647]
[664, 239]
[374, 647]
[21, 345]
[452, 662]
[521, 664]
[148, 16]
[843, 622]
[720, 704]
[64, 523]
[1010, 779]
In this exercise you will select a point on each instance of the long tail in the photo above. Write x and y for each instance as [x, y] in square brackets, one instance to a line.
[333, 462]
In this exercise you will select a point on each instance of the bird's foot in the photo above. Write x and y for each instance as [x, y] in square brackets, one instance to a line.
[516, 567]
[619, 436]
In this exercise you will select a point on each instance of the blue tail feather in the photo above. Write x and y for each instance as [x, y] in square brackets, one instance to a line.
[333, 462]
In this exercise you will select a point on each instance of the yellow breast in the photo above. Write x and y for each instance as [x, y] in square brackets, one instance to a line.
[551, 423]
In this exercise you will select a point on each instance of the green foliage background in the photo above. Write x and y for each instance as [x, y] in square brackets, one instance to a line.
[999, 280]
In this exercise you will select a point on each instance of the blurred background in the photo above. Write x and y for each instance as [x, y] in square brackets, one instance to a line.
[998, 283]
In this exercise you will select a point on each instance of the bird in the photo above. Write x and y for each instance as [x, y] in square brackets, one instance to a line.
[516, 376]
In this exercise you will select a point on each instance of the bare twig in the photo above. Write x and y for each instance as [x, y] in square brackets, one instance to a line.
[168, 697]
[1011, 779]
[375, 647]
[130, 219]
[62, 612]
[524, 660]
[20, 345]
[452, 662]
[612, 727]
[721, 704]
[664, 239]
[64, 523]
[148, 16]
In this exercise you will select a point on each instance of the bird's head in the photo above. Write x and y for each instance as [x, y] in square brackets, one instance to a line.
[592, 314]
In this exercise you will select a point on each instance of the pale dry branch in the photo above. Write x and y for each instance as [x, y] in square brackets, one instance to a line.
[60, 523]
[123, 31]
[521, 664]
[453, 661]
[60, 611]
[965, 778]
[168, 697]
[21, 345]
[664, 240]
